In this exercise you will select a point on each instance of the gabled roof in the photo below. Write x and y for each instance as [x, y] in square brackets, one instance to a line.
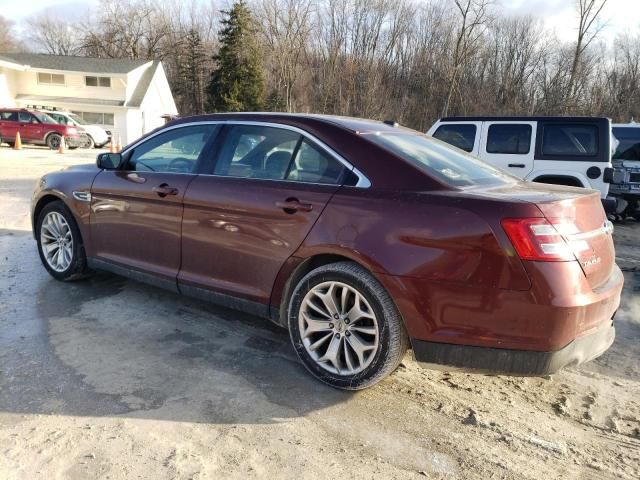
[46, 99]
[143, 85]
[70, 63]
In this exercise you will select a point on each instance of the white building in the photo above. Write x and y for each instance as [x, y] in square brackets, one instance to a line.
[127, 97]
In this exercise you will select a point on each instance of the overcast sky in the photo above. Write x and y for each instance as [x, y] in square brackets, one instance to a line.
[558, 15]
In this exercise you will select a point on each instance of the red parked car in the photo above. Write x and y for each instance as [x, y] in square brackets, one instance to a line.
[35, 128]
[360, 237]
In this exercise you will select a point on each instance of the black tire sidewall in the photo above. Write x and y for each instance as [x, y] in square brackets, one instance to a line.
[52, 135]
[350, 382]
[78, 263]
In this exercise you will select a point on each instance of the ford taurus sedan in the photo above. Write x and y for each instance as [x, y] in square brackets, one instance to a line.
[361, 238]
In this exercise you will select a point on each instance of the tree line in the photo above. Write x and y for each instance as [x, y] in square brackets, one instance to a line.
[412, 61]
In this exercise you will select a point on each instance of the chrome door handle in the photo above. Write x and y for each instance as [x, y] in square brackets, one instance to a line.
[292, 205]
[164, 189]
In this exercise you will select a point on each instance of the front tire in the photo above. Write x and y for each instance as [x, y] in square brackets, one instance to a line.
[53, 141]
[87, 142]
[59, 243]
[345, 328]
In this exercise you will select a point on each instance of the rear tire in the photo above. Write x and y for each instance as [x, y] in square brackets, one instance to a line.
[357, 337]
[60, 244]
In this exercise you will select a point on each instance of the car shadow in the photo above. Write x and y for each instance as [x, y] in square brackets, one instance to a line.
[109, 346]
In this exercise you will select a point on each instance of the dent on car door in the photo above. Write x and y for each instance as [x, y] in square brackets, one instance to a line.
[268, 187]
[136, 211]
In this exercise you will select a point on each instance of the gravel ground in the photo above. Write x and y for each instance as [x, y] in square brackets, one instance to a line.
[113, 379]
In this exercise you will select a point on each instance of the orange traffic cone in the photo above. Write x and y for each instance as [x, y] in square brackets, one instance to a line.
[63, 146]
[119, 145]
[18, 143]
[112, 146]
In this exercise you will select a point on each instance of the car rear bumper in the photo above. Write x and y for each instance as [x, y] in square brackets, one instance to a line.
[514, 362]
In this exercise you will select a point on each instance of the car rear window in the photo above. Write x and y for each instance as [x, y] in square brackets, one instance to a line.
[439, 160]
[512, 139]
[629, 143]
[461, 135]
[567, 139]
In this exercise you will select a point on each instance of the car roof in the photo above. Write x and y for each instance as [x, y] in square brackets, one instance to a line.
[356, 125]
[522, 119]
[342, 135]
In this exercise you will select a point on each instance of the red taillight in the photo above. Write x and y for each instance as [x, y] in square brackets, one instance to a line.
[540, 240]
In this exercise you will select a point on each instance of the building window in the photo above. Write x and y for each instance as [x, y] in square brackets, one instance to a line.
[97, 118]
[97, 81]
[51, 78]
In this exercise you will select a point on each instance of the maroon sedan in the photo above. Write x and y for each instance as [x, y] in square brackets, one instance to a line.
[362, 238]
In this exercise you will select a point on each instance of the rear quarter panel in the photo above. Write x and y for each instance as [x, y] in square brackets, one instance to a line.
[433, 237]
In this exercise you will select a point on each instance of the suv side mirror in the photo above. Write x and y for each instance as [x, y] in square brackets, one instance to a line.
[109, 161]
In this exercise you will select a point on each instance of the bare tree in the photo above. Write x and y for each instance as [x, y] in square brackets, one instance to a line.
[588, 29]
[54, 35]
[8, 39]
[473, 16]
[286, 26]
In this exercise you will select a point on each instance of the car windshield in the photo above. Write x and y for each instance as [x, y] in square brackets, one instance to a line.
[43, 117]
[439, 159]
[77, 119]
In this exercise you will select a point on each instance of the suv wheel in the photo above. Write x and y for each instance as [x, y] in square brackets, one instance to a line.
[59, 243]
[345, 328]
[87, 142]
[53, 141]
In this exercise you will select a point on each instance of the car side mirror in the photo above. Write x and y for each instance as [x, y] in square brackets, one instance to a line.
[109, 161]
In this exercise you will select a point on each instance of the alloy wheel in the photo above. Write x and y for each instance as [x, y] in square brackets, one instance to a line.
[338, 328]
[56, 241]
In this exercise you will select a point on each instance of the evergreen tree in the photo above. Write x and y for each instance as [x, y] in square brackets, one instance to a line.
[192, 69]
[237, 82]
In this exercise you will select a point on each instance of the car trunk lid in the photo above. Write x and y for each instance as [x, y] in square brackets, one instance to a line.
[577, 213]
[591, 240]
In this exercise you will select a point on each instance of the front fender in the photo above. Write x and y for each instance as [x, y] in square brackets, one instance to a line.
[61, 186]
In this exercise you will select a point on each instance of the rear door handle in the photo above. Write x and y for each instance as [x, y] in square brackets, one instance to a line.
[164, 189]
[292, 205]
[517, 165]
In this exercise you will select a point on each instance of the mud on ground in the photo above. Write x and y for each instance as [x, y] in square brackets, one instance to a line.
[114, 379]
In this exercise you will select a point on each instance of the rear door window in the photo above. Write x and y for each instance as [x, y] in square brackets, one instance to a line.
[313, 165]
[511, 139]
[565, 139]
[255, 151]
[461, 135]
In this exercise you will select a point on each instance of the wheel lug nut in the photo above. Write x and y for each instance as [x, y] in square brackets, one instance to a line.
[336, 316]
[337, 335]
[346, 320]
[348, 334]
[331, 325]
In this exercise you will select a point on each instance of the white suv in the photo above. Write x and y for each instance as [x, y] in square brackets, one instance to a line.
[96, 136]
[573, 151]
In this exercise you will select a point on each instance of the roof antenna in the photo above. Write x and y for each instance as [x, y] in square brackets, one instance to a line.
[393, 123]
